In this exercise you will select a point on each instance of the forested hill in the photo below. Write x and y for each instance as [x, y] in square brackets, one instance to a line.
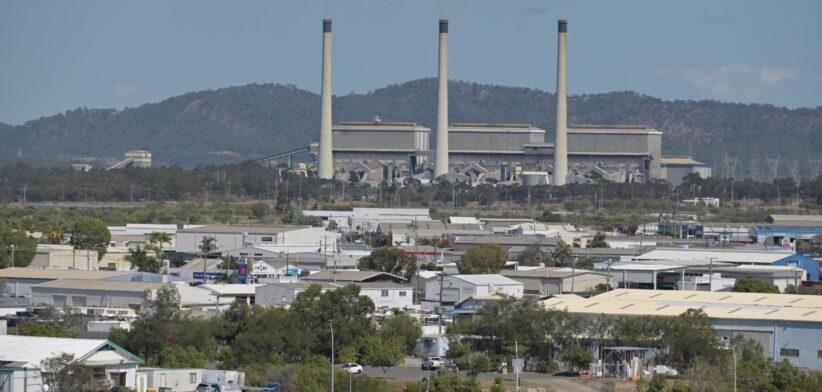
[236, 123]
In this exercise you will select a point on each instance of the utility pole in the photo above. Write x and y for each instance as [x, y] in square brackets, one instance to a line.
[711, 273]
[12, 255]
[439, 309]
[331, 324]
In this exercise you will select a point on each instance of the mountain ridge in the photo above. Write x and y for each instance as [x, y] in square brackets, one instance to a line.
[257, 119]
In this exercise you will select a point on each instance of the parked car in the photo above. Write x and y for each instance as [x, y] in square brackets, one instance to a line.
[203, 387]
[352, 368]
[432, 363]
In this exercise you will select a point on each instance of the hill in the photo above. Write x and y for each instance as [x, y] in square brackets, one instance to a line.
[235, 123]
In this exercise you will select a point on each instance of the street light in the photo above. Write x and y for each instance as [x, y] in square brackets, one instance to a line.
[12, 255]
[331, 324]
[729, 345]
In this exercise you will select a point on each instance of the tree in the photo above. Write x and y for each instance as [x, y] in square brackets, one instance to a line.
[382, 353]
[260, 210]
[24, 246]
[163, 305]
[207, 246]
[402, 328]
[90, 234]
[347, 354]
[532, 256]
[62, 374]
[141, 261]
[381, 240]
[181, 357]
[599, 241]
[562, 253]
[156, 240]
[392, 260]
[751, 285]
[548, 216]
[578, 357]
[44, 329]
[484, 259]
[691, 337]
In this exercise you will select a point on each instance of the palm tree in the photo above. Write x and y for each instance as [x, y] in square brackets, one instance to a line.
[157, 239]
[55, 235]
[562, 253]
[207, 245]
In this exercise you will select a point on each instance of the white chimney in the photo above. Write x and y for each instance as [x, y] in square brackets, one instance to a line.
[325, 162]
[561, 142]
[441, 158]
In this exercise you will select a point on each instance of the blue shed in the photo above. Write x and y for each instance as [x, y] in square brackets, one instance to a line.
[801, 260]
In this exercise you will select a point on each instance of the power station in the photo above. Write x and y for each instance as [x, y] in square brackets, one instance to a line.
[377, 151]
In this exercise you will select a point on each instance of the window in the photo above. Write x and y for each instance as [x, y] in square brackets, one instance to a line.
[384, 293]
[267, 239]
[243, 254]
[789, 352]
[402, 293]
[192, 378]
[819, 353]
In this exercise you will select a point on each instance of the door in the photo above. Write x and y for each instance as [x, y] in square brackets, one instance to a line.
[59, 301]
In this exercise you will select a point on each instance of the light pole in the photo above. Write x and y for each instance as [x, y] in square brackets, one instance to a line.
[729, 345]
[331, 324]
[12, 255]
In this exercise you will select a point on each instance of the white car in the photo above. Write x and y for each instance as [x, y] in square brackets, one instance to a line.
[352, 368]
[432, 363]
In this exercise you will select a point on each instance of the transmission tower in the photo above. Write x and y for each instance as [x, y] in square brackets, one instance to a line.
[773, 168]
[815, 166]
[793, 169]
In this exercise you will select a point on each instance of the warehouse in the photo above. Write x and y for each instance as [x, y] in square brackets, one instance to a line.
[457, 288]
[402, 233]
[787, 326]
[553, 281]
[109, 294]
[228, 237]
[20, 280]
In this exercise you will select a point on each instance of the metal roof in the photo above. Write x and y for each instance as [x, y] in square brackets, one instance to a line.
[679, 160]
[548, 273]
[654, 303]
[239, 229]
[350, 276]
[719, 297]
[30, 351]
[719, 255]
[485, 279]
[46, 274]
[96, 285]
[232, 289]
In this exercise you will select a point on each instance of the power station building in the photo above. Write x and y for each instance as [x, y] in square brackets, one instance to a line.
[377, 151]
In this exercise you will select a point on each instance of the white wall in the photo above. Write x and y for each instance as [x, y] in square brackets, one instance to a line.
[393, 299]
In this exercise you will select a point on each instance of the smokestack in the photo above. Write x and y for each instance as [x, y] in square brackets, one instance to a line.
[441, 158]
[325, 162]
[561, 142]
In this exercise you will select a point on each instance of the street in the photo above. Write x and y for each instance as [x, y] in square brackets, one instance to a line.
[409, 374]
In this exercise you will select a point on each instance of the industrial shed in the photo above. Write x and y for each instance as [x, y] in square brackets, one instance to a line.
[553, 281]
[108, 294]
[787, 326]
[20, 280]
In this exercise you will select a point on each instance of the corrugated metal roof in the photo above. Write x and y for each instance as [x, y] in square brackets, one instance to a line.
[42, 273]
[718, 305]
[719, 255]
[351, 276]
[32, 350]
[106, 285]
[239, 229]
[486, 279]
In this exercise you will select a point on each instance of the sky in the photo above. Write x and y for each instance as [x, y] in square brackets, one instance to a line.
[60, 55]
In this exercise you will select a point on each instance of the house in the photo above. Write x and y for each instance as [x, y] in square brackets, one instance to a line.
[385, 295]
[22, 361]
[457, 288]
[469, 308]
[553, 281]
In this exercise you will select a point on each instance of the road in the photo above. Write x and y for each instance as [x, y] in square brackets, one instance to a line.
[409, 374]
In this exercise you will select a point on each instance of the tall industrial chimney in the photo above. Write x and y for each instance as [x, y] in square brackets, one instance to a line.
[441, 158]
[561, 142]
[325, 162]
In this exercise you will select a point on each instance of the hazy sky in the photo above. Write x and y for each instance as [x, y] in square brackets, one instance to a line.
[59, 55]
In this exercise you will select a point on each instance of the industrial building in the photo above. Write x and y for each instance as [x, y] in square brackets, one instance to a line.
[136, 158]
[457, 288]
[19, 281]
[554, 281]
[373, 152]
[109, 294]
[787, 326]
[284, 238]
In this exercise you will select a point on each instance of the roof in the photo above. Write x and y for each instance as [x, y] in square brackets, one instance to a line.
[717, 305]
[679, 160]
[382, 285]
[39, 348]
[51, 274]
[795, 220]
[432, 226]
[239, 229]
[464, 220]
[106, 285]
[609, 128]
[505, 240]
[350, 276]
[645, 267]
[232, 289]
[548, 273]
[718, 255]
[485, 279]
[304, 286]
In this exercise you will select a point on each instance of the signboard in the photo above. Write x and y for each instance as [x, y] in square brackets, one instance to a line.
[211, 275]
[242, 273]
[518, 364]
